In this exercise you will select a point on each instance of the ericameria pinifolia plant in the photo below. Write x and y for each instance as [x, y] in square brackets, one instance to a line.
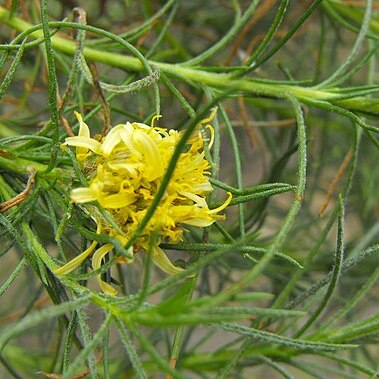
[244, 208]
[124, 170]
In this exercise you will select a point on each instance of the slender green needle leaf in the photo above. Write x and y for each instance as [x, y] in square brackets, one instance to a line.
[131, 350]
[278, 339]
[39, 317]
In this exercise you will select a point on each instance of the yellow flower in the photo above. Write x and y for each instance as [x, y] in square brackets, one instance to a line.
[124, 170]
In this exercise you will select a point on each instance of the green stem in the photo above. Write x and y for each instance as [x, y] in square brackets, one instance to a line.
[196, 75]
[352, 13]
[22, 166]
[179, 334]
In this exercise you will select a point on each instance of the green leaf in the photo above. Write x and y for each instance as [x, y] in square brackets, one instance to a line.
[178, 302]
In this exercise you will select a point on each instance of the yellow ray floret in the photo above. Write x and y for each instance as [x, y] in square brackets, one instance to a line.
[124, 171]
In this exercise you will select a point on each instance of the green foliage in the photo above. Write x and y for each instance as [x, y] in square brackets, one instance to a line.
[285, 286]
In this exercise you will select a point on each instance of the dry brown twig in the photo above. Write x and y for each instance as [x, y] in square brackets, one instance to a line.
[260, 12]
[19, 313]
[18, 199]
[79, 375]
[336, 180]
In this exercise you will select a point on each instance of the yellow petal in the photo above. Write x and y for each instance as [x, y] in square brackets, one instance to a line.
[83, 127]
[196, 199]
[112, 139]
[126, 135]
[99, 254]
[191, 215]
[81, 153]
[70, 266]
[161, 260]
[107, 288]
[212, 133]
[203, 187]
[131, 168]
[210, 117]
[85, 142]
[84, 194]
[117, 200]
[148, 147]
[147, 128]
[223, 206]
[200, 222]
[74, 263]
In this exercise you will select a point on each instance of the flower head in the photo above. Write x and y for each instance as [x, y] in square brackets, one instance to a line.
[124, 170]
